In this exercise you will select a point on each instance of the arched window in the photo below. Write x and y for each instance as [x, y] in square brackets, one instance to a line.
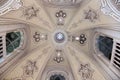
[105, 45]
[13, 41]
[107, 49]
[12, 44]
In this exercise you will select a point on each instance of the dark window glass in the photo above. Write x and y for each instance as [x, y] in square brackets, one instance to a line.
[13, 40]
[105, 45]
[57, 77]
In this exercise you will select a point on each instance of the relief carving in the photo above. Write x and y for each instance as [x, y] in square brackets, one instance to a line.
[36, 37]
[60, 17]
[30, 68]
[91, 15]
[86, 72]
[82, 39]
[30, 12]
[39, 36]
[59, 57]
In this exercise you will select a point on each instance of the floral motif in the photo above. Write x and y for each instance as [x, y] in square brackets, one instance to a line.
[86, 72]
[39, 36]
[30, 12]
[91, 15]
[60, 16]
[36, 36]
[82, 39]
[58, 57]
[30, 68]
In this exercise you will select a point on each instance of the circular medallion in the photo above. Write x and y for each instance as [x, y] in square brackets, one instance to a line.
[59, 37]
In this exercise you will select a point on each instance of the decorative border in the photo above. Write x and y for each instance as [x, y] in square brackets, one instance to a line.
[62, 3]
[108, 9]
[10, 5]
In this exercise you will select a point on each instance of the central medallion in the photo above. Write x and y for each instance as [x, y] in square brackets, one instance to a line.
[59, 37]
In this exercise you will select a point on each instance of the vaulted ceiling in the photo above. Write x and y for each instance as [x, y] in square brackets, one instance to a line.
[58, 38]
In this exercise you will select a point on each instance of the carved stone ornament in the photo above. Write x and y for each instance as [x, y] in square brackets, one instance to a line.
[60, 17]
[111, 8]
[30, 12]
[10, 5]
[91, 15]
[86, 72]
[36, 36]
[30, 68]
[59, 57]
[39, 36]
[83, 39]
[62, 3]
